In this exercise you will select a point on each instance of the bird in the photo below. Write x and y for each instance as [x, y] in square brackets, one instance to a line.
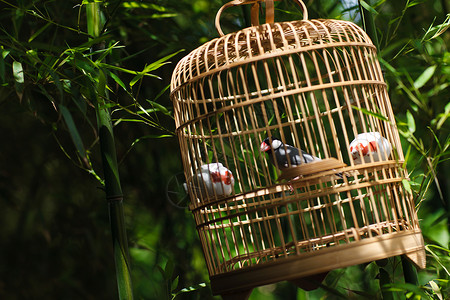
[369, 144]
[212, 180]
[286, 155]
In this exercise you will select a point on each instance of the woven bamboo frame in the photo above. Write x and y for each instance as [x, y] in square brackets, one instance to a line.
[315, 84]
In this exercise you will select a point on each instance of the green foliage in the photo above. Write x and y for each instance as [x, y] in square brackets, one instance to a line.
[54, 224]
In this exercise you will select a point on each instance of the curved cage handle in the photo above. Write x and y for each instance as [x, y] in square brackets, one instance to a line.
[254, 13]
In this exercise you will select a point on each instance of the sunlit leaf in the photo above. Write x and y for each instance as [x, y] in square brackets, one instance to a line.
[91, 1]
[368, 7]
[411, 122]
[442, 27]
[189, 289]
[443, 117]
[19, 78]
[4, 52]
[18, 72]
[135, 4]
[435, 289]
[406, 185]
[414, 3]
[157, 16]
[425, 77]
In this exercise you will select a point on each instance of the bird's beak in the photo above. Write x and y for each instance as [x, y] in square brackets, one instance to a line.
[264, 147]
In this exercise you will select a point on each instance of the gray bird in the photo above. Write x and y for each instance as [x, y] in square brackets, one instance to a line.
[286, 155]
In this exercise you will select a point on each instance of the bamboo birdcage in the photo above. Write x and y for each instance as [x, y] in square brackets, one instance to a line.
[315, 85]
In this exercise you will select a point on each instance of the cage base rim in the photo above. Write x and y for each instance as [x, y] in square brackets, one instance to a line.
[307, 264]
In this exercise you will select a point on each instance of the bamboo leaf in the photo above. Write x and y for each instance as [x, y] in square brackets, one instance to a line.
[435, 289]
[33, 55]
[413, 3]
[436, 257]
[159, 107]
[411, 122]
[162, 92]
[189, 289]
[406, 185]
[425, 77]
[443, 117]
[84, 2]
[387, 65]
[101, 87]
[157, 16]
[404, 287]
[117, 80]
[151, 136]
[18, 72]
[3, 53]
[168, 269]
[74, 134]
[151, 67]
[103, 65]
[19, 78]
[155, 65]
[441, 28]
[123, 272]
[174, 284]
[136, 4]
[105, 52]
[368, 7]
[38, 32]
[371, 113]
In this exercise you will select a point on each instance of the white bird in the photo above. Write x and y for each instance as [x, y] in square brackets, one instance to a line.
[370, 144]
[212, 180]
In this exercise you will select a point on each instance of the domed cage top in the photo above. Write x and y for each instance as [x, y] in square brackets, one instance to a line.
[291, 152]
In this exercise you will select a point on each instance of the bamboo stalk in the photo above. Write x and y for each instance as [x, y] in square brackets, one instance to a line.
[115, 200]
[409, 271]
[113, 187]
[385, 280]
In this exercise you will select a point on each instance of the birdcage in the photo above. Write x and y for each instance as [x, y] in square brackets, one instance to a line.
[292, 158]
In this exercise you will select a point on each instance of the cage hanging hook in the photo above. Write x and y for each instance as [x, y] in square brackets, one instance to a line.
[270, 16]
